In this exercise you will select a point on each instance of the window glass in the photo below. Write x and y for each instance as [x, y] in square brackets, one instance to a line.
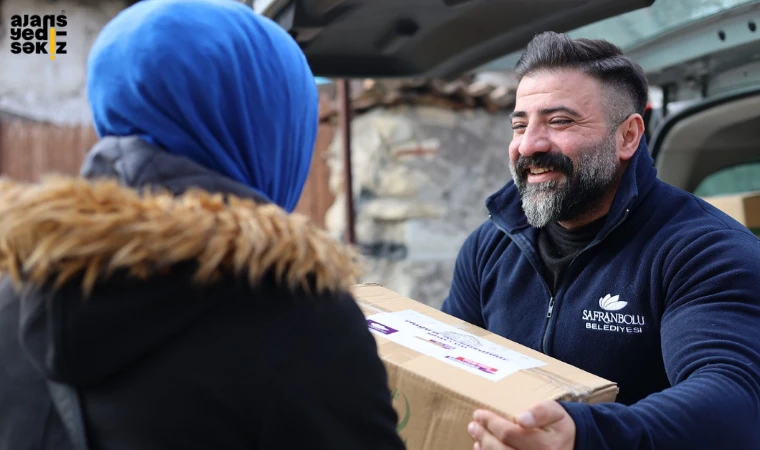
[733, 180]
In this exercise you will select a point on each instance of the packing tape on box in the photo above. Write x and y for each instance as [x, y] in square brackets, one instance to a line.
[578, 391]
[371, 307]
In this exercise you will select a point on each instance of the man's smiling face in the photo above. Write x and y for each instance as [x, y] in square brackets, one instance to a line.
[563, 154]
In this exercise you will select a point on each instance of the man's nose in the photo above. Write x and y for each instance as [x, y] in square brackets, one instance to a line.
[533, 140]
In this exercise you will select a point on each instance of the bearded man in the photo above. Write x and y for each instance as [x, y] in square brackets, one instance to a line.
[591, 259]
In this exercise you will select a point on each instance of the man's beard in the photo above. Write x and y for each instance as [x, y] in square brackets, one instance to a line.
[585, 184]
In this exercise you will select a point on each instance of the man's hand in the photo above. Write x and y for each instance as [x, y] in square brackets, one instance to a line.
[545, 426]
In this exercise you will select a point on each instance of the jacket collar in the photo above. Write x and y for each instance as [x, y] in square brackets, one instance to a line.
[506, 211]
[138, 164]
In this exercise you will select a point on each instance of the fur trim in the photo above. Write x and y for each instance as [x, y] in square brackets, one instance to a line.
[65, 227]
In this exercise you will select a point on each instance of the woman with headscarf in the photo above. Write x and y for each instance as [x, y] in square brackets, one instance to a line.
[166, 299]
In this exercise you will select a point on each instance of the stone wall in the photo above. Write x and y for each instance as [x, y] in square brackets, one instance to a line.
[421, 176]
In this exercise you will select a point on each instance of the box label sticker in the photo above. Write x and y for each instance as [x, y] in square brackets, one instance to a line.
[450, 344]
[380, 328]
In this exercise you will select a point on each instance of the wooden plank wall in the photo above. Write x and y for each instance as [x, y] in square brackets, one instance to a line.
[30, 149]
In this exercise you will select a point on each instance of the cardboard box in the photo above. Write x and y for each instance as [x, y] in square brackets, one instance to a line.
[441, 369]
[744, 207]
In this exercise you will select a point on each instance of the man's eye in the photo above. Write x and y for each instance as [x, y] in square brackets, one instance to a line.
[561, 121]
[517, 126]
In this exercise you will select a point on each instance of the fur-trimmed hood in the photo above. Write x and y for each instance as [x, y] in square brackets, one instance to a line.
[106, 274]
[66, 228]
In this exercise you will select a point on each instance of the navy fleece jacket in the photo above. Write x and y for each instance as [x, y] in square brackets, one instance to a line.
[665, 301]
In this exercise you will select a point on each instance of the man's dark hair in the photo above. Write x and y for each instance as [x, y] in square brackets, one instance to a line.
[625, 79]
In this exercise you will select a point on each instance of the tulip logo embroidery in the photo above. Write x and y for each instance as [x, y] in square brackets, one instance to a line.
[609, 303]
[609, 320]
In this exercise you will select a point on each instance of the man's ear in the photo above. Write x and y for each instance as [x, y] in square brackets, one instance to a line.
[629, 135]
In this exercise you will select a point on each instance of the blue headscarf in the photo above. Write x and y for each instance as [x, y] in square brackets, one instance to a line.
[212, 81]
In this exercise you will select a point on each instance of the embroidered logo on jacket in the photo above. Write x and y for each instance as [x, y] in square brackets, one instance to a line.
[609, 320]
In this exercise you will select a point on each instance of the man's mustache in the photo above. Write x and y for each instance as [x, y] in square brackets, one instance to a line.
[557, 161]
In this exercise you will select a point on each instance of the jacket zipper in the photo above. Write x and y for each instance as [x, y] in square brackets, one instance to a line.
[549, 311]
[551, 308]
[552, 299]
[544, 348]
